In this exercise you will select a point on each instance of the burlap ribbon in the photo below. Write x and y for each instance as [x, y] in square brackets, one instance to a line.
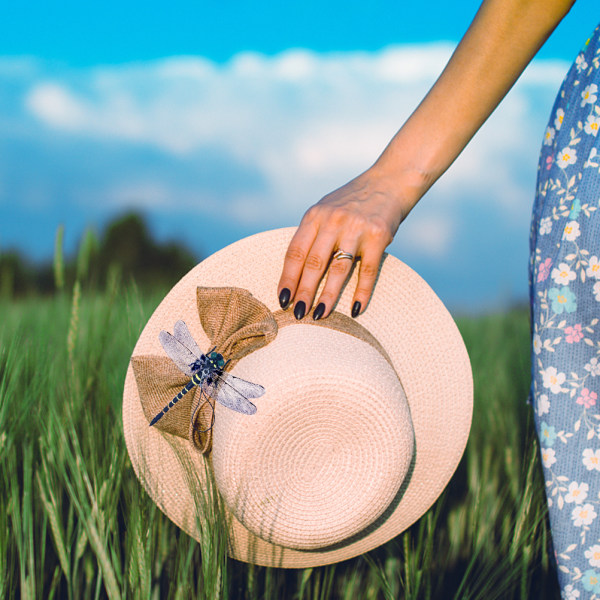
[237, 324]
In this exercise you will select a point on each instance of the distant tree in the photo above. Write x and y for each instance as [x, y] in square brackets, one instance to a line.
[128, 244]
[17, 276]
[125, 244]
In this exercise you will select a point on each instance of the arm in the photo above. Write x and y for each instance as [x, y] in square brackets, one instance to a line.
[363, 216]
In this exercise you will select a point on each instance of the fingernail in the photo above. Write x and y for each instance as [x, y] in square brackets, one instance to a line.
[356, 309]
[318, 313]
[299, 310]
[284, 298]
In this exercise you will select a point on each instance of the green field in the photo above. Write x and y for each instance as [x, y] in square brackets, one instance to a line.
[75, 523]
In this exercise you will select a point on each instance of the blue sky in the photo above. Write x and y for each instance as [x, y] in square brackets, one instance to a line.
[218, 120]
[83, 34]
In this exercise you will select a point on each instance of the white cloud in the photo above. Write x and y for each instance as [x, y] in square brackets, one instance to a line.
[306, 123]
[298, 115]
[58, 107]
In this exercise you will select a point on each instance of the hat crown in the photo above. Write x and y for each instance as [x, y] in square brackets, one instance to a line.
[329, 448]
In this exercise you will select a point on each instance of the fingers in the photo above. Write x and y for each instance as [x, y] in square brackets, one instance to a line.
[315, 264]
[305, 262]
[338, 221]
[295, 257]
[308, 257]
[317, 258]
[337, 275]
[339, 269]
[367, 276]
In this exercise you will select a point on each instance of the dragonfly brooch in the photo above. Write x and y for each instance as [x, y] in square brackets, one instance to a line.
[207, 373]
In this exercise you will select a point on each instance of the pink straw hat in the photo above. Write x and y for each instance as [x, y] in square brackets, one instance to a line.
[361, 425]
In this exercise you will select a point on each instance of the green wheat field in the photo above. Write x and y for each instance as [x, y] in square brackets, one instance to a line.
[76, 524]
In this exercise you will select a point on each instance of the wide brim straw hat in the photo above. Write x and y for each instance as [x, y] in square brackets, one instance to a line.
[361, 426]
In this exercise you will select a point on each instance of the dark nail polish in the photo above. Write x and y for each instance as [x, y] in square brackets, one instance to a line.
[299, 310]
[284, 298]
[356, 309]
[319, 311]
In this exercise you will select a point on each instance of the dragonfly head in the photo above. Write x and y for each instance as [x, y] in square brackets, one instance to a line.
[216, 360]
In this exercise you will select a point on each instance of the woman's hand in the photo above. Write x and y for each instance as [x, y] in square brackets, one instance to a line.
[360, 218]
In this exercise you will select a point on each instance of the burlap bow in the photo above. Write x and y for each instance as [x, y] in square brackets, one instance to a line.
[237, 324]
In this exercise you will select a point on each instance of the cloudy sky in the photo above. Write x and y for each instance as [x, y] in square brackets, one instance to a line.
[218, 120]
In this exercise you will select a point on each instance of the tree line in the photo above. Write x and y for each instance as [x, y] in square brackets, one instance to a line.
[126, 246]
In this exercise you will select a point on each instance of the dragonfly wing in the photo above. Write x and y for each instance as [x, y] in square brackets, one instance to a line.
[233, 392]
[183, 336]
[182, 356]
[248, 389]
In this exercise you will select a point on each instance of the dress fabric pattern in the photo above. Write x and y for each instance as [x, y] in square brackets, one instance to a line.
[565, 310]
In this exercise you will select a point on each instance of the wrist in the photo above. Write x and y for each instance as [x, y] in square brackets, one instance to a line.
[407, 182]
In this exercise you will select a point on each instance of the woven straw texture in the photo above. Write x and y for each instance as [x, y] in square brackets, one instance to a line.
[345, 451]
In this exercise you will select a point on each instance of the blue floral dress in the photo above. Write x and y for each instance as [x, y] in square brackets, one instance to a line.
[565, 309]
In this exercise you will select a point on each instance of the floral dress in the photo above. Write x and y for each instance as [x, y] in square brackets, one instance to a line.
[565, 309]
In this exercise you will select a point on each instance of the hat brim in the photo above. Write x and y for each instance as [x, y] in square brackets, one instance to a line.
[405, 316]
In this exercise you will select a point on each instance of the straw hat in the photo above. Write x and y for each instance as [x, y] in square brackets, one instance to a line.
[361, 426]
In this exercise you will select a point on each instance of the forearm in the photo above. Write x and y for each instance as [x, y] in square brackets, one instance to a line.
[362, 216]
[501, 41]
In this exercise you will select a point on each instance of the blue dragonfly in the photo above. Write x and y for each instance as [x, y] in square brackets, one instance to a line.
[207, 373]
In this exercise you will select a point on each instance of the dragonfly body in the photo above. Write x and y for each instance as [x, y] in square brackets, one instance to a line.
[206, 372]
